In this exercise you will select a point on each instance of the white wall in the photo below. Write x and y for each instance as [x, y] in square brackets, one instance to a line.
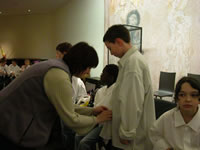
[82, 20]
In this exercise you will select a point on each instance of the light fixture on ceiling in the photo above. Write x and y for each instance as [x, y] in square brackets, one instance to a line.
[29, 10]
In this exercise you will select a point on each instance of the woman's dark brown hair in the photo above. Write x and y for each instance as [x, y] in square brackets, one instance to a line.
[80, 57]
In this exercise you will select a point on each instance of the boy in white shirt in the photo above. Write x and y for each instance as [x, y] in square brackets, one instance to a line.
[179, 128]
[14, 69]
[4, 70]
[133, 111]
[27, 64]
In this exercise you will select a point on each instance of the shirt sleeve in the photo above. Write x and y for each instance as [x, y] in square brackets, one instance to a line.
[156, 135]
[131, 94]
[58, 88]
[88, 111]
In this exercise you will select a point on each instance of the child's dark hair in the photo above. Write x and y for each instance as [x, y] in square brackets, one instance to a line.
[113, 70]
[193, 83]
[63, 47]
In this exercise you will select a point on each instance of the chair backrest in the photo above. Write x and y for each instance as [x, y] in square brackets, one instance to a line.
[167, 81]
[92, 83]
[161, 106]
[195, 76]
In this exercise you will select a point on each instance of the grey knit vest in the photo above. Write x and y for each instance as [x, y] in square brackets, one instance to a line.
[26, 114]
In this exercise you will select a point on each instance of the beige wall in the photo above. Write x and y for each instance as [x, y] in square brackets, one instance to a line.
[82, 21]
[27, 36]
[36, 36]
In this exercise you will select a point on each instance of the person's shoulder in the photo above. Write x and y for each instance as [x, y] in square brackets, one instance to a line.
[76, 79]
[169, 114]
[57, 75]
[79, 80]
[102, 89]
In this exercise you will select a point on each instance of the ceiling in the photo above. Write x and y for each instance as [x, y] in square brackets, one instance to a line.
[21, 7]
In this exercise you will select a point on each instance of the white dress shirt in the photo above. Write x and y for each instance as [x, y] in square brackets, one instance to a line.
[103, 96]
[171, 131]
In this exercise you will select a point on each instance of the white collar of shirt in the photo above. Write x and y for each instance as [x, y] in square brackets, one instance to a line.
[122, 61]
[193, 124]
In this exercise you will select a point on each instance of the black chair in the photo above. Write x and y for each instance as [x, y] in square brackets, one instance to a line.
[195, 76]
[166, 85]
[161, 106]
[95, 81]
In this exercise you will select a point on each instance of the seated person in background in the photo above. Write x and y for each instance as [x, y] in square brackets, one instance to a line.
[26, 65]
[14, 69]
[179, 128]
[102, 97]
[77, 84]
[4, 70]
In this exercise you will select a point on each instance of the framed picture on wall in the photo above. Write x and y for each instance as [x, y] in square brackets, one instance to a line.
[136, 36]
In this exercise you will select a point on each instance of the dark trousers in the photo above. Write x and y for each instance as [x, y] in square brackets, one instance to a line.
[8, 145]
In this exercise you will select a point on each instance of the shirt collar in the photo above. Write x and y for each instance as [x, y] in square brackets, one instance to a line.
[122, 61]
[194, 123]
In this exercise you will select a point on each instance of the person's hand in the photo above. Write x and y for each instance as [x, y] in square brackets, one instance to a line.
[99, 109]
[105, 115]
[125, 142]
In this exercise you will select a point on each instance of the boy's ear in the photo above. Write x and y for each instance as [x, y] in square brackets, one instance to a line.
[119, 41]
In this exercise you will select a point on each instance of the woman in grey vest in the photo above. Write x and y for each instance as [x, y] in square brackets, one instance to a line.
[31, 105]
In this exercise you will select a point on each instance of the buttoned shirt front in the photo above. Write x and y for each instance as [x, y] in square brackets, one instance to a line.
[171, 131]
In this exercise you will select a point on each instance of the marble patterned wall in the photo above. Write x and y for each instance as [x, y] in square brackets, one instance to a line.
[171, 33]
